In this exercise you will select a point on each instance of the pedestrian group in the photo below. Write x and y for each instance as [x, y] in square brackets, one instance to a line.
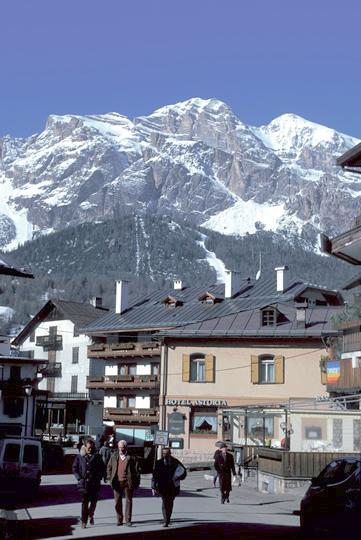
[122, 471]
[115, 465]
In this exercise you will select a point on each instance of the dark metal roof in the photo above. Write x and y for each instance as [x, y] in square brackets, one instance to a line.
[355, 282]
[9, 270]
[319, 322]
[150, 313]
[78, 313]
[351, 158]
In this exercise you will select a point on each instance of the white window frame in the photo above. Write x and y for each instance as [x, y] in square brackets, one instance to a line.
[268, 362]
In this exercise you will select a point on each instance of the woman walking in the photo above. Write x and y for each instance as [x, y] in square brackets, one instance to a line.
[224, 465]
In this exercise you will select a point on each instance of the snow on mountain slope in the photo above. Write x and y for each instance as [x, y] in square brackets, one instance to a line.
[194, 159]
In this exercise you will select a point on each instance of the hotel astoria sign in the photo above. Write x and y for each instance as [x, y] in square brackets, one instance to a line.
[197, 402]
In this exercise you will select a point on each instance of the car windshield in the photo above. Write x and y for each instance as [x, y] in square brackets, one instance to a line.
[336, 471]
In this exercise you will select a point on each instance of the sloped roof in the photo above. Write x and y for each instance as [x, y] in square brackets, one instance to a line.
[78, 313]
[319, 322]
[7, 269]
[150, 313]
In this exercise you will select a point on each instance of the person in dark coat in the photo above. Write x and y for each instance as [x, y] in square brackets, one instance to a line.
[123, 473]
[88, 469]
[224, 465]
[168, 472]
[105, 453]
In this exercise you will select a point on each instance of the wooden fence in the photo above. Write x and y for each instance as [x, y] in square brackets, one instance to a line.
[296, 464]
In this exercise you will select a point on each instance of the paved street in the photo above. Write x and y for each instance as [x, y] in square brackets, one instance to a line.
[198, 512]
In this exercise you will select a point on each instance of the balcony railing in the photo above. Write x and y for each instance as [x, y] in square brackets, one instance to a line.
[52, 370]
[124, 381]
[347, 380]
[106, 350]
[50, 342]
[140, 416]
[79, 396]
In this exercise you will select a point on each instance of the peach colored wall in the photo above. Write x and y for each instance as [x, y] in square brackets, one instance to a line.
[233, 375]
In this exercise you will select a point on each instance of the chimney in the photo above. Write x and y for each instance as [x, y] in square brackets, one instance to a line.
[232, 283]
[121, 296]
[96, 301]
[282, 278]
[177, 285]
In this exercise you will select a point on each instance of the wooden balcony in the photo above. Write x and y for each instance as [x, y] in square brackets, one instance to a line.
[349, 380]
[146, 382]
[132, 416]
[124, 350]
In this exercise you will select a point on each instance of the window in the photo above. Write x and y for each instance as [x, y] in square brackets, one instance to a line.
[12, 453]
[31, 454]
[74, 384]
[121, 402]
[204, 423]
[267, 369]
[198, 368]
[260, 426]
[13, 407]
[53, 331]
[15, 373]
[132, 369]
[154, 369]
[75, 359]
[356, 362]
[335, 472]
[32, 337]
[268, 317]
[131, 402]
[122, 369]
[313, 432]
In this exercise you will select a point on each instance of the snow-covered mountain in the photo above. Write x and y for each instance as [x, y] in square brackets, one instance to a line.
[193, 160]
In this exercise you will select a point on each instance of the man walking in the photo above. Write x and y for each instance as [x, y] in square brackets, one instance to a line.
[224, 465]
[124, 477]
[167, 474]
[88, 469]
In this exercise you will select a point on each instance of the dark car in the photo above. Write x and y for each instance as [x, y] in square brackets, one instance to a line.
[333, 498]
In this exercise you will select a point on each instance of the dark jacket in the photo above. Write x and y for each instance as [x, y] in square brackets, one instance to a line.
[105, 453]
[132, 471]
[163, 476]
[89, 471]
[225, 468]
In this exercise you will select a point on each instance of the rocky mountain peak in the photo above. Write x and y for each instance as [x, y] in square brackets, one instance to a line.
[193, 159]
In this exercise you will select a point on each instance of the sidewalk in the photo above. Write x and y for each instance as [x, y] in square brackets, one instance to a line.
[197, 511]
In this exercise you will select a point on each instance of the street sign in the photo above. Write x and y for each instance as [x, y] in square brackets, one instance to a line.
[161, 438]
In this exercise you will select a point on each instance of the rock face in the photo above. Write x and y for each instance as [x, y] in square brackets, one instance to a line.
[195, 160]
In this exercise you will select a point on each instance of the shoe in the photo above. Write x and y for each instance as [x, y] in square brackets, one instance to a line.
[222, 501]
[83, 525]
[129, 524]
[91, 520]
[228, 499]
[165, 524]
[119, 523]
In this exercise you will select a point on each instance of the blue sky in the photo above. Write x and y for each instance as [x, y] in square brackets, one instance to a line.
[262, 57]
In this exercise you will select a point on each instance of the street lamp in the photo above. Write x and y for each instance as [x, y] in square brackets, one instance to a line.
[28, 391]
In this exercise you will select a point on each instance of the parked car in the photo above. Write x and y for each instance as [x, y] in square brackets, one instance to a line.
[333, 499]
[21, 465]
